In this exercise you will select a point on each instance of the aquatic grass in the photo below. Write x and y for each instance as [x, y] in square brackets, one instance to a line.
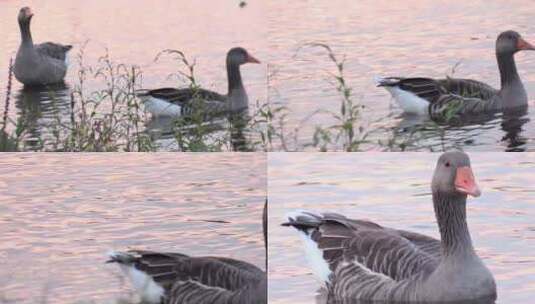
[201, 130]
[10, 140]
[348, 130]
[108, 119]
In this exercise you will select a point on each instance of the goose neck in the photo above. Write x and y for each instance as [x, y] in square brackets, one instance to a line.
[450, 211]
[508, 72]
[234, 76]
[26, 35]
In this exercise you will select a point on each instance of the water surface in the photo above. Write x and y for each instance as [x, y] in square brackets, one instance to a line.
[392, 189]
[61, 213]
[396, 38]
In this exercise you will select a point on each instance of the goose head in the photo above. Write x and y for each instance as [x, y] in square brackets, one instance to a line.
[511, 42]
[453, 176]
[238, 56]
[25, 16]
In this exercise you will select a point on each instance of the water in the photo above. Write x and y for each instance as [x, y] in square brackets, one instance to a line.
[392, 189]
[135, 34]
[61, 213]
[396, 38]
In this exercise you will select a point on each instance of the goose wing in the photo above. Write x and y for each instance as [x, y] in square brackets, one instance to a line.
[449, 97]
[198, 279]
[468, 88]
[425, 88]
[381, 251]
[185, 95]
[54, 50]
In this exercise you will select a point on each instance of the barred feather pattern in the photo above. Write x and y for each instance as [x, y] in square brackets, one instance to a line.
[450, 96]
[209, 103]
[367, 260]
[201, 279]
[54, 50]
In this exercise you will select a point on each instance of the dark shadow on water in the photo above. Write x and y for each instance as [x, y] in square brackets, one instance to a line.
[513, 122]
[460, 132]
[39, 107]
[161, 128]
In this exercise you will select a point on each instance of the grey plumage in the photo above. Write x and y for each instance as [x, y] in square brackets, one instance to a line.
[212, 103]
[38, 64]
[371, 262]
[465, 97]
[200, 280]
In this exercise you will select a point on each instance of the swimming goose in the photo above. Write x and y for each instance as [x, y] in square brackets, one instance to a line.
[38, 64]
[360, 260]
[178, 102]
[175, 278]
[440, 97]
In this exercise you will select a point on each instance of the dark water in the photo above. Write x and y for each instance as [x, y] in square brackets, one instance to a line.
[392, 189]
[397, 38]
[60, 214]
[133, 35]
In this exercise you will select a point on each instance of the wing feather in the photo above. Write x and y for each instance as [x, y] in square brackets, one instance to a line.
[54, 50]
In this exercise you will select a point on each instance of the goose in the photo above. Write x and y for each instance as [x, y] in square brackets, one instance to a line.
[440, 98]
[38, 64]
[179, 102]
[361, 260]
[176, 278]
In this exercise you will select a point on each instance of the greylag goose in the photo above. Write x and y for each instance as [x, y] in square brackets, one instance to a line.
[38, 64]
[360, 260]
[175, 278]
[178, 102]
[439, 98]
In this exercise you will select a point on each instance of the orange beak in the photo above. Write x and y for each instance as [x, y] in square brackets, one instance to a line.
[251, 59]
[465, 182]
[524, 45]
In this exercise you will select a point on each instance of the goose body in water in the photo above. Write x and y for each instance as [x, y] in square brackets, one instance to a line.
[180, 102]
[361, 260]
[441, 97]
[38, 64]
[175, 278]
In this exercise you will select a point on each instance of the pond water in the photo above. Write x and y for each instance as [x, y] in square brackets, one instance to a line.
[392, 189]
[134, 35]
[61, 213]
[396, 38]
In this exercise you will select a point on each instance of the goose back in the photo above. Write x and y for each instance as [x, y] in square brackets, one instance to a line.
[205, 279]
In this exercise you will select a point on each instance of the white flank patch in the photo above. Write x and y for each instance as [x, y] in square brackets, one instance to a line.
[160, 107]
[313, 254]
[409, 102]
[148, 290]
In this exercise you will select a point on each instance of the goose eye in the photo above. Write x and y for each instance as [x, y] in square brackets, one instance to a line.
[447, 164]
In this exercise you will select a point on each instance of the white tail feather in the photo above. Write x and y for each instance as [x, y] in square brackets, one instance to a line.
[145, 286]
[409, 102]
[160, 107]
[313, 254]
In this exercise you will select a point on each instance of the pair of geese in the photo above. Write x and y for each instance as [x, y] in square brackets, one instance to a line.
[38, 64]
[44, 64]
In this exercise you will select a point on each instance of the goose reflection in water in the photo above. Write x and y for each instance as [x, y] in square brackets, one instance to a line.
[39, 107]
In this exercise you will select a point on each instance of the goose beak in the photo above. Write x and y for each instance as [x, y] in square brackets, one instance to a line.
[523, 45]
[251, 59]
[465, 182]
